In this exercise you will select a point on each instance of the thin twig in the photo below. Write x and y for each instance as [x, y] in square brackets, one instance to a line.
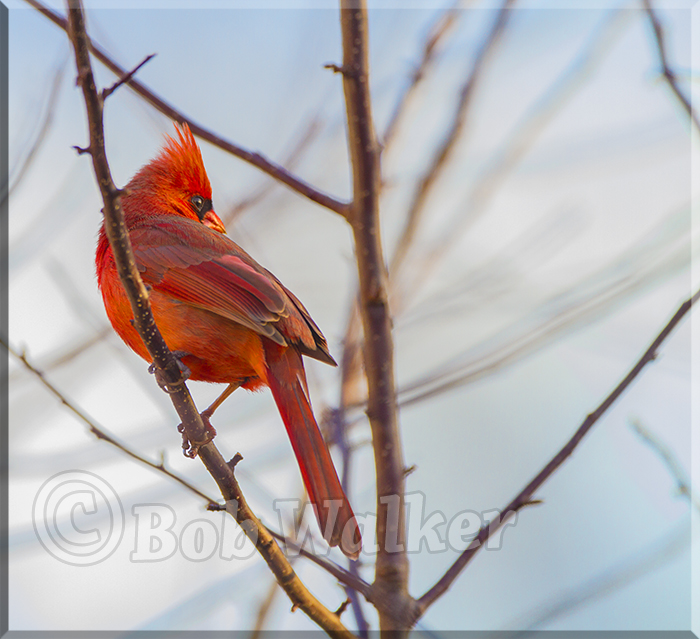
[264, 611]
[345, 577]
[589, 297]
[309, 134]
[390, 588]
[446, 148]
[667, 71]
[44, 128]
[256, 159]
[100, 432]
[526, 495]
[125, 78]
[631, 570]
[519, 142]
[71, 353]
[437, 33]
[163, 359]
[339, 430]
[683, 484]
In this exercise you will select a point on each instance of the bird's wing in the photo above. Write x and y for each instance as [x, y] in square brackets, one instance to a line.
[204, 269]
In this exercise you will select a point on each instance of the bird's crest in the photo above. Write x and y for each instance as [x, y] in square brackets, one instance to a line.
[177, 168]
[183, 157]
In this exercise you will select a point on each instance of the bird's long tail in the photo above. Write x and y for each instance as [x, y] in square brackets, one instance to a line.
[287, 381]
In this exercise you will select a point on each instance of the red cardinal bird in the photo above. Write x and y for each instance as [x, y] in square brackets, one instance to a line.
[228, 319]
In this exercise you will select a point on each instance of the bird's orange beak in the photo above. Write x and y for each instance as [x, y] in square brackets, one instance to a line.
[213, 221]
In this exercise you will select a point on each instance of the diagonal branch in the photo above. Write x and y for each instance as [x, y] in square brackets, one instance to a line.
[345, 577]
[438, 31]
[256, 159]
[667, 71]
[525, 496]
[99, 432]
[126, 77]
[163, 358]
[675, 469]
[447, 147]
[519, 142]
[51, 103]
[308, 136]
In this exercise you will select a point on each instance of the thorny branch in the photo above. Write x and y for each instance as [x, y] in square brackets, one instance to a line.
[526, 494]
[256, 159]
[163, 358]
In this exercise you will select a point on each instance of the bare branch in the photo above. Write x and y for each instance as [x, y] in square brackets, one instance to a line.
[256, 159]
[163, 358]
[445, 150]
[100, 432]
[44, 128]
[631, 570]
[587, 298]
[437, 33]
[526, 134]
[336, 424]
[668, 73]
[125, 78]
[263, 611]
[669, 459]
[309, 134]
[390, 588]
[345, 577]
[69, 354]
[351, 373]
[526, 495]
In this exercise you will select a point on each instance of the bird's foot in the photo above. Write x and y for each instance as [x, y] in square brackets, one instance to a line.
[191, 448]
[170, 387]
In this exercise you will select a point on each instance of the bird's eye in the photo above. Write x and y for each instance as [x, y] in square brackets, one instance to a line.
[201, 206]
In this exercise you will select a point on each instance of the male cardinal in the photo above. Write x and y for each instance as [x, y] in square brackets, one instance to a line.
[227, 318]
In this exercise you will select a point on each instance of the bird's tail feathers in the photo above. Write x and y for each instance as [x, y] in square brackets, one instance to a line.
[287, 381]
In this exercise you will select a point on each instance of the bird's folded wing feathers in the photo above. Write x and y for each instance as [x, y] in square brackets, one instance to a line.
[199, 267]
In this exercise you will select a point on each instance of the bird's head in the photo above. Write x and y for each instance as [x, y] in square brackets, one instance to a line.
[177, 178]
